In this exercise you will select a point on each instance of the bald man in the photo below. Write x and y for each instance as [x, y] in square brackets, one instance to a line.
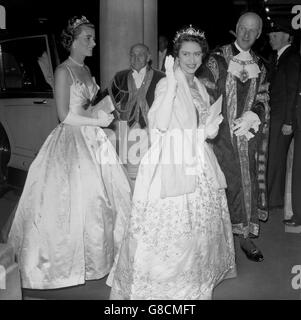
[132, 92]
[237, 73]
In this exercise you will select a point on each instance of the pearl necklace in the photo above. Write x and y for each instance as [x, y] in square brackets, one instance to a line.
[79, 64]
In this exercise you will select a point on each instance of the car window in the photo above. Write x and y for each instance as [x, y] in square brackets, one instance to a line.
[26, 65]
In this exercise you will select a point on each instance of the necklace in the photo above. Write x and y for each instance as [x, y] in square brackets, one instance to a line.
[79, 64]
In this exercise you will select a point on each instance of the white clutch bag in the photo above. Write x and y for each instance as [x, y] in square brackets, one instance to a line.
[105, 105]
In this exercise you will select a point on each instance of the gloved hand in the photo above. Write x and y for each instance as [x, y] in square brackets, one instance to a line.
[287, 129]
[211, 129]
[169, 71]
[242, 125]
[104, 118]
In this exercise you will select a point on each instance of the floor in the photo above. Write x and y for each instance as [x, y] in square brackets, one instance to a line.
[270, 279]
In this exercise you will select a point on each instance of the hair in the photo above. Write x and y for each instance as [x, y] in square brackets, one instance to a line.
[190, 38]
[140, 45]
[164, 37]
[253, 14]
[73, 30]
[186, 37]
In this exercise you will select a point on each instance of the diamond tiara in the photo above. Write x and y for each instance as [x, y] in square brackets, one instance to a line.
[79, 22]
[190, 31]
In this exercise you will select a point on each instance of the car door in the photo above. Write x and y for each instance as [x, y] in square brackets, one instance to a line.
[27, 109]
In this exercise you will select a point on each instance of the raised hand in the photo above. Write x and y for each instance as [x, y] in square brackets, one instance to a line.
[104, 118]
[170, 75]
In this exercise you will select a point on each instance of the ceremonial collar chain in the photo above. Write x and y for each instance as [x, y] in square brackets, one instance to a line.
[243, 63]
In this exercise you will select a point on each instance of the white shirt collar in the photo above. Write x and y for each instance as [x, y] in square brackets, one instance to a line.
[141, 72]
[239, 48]
[243, 55]
[163, 53]
[280, 51]
[139, 76]
[161, 58]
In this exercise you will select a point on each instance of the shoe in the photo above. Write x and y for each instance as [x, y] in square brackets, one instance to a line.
[251, 251]
[291, 223]
[253, 255]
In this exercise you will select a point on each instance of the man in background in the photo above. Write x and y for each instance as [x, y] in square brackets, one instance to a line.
[163, 52]
[132, 92]
[284, 78]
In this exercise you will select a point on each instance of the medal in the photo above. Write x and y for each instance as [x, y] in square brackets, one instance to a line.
[243, 74]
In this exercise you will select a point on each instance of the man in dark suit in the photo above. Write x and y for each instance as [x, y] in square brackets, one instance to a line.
[284, 76]
[164, 51]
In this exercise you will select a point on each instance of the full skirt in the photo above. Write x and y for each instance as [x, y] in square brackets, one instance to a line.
[177, 247]
[71, 216]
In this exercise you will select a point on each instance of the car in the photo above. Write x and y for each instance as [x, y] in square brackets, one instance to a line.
[27, 109]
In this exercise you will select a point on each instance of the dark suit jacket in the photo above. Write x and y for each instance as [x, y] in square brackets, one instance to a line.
[284, 80]
[298, 108]
[168, 53]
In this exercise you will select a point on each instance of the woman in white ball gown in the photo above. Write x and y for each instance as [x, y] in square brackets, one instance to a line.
[179, 242]
[71, 215]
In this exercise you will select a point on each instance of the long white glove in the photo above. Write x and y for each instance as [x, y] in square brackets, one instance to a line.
[102, 119]
[170, 72]
[163, 105]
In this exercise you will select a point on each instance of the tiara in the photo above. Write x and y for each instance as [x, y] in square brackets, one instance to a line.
[79, 21]
[190, 31]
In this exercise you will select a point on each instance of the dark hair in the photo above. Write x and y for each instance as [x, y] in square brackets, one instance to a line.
[73, 29]
[185, 37]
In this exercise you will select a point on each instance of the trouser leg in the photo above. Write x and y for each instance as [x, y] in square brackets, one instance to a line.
[296, 178]
[277, 157]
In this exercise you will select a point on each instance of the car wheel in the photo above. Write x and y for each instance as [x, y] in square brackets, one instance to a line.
[4, 156]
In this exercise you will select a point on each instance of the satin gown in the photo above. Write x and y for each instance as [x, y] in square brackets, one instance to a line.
[178, 247]
[71, 216]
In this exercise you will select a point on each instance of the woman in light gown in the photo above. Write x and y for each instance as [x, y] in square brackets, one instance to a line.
[179, 243]
[77, 196]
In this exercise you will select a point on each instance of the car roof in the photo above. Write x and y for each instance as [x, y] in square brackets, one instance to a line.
[4, 34]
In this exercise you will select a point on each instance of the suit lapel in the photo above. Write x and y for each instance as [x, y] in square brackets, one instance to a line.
[283, 55]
